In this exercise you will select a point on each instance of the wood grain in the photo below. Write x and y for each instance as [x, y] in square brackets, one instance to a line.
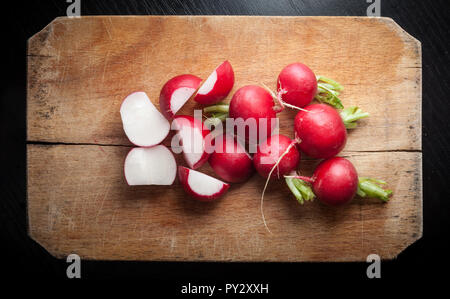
[78, 202]
[79, 71]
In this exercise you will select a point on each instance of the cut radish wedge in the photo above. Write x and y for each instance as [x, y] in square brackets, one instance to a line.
[201, 186]
[143, 124]
[176, 92]
[217, 86]
[150, 166]
[192, 135]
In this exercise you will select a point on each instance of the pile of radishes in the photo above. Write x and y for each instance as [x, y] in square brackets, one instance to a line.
[320, 132]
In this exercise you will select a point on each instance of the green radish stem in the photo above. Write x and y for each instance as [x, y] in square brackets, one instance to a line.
[221, 108]
[372, 188]
[268, 179]
[301, 189]
[350, 115]
[328, 91]
[218, 113]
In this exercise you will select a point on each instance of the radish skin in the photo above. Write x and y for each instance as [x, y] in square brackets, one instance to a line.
[176, 92]
[217, 86]
[321, 131]
[298, 84]
[230, 161]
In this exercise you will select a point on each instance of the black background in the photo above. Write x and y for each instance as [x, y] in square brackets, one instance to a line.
[21, 257]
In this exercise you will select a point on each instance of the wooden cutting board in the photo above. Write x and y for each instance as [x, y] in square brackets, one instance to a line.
[80, 70]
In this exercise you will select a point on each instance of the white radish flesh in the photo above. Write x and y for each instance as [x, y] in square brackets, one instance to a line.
[150, 166]
[143, 124]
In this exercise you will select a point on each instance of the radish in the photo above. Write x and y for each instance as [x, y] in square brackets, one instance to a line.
[217, 86]
[297, 86]
[143, 124]
[194, 138]
[230, 161]
[279, 152]
[150, 166]
[321, 131]
[176, 92]
[335, 182]
[201, 186]
[253, 103]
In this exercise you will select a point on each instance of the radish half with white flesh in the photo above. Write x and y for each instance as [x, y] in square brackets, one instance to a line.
[176, 92]
[192, 136]
[217, 86]
[150, 166]
[201, 186]
[143, 124]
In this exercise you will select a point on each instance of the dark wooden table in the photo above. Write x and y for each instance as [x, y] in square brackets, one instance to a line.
[426, 20]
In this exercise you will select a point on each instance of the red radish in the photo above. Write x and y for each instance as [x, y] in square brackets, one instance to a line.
[277, 152]
[253, 102]
[143, 124]
[321, 131]
[217, 86]
[269, 156]
[230, 161]
[194, 137]
[298, 84]
[176, 92]
[201, 186]
[150, 166]
[335, 182]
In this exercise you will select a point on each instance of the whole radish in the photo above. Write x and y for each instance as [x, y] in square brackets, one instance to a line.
[277, 153]
[321, 131]
[253, 102]
[297, 86]
[335, 182]
[230, 161]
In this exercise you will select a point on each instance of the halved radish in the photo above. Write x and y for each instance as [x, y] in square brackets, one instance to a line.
[150, 166]
[192, 135]
[143, 124]
[201, 186]
[176, 92]
[217, 86]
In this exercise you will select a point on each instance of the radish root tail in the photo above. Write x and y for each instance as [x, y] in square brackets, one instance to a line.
[279, 98]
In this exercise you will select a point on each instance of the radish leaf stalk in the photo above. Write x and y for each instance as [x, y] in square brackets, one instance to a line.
[301, 190]
[350, 115]
[372, 188]
[328, 92]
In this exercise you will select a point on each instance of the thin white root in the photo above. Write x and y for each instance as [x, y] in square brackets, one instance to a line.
[278, 97]
[267, 182]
